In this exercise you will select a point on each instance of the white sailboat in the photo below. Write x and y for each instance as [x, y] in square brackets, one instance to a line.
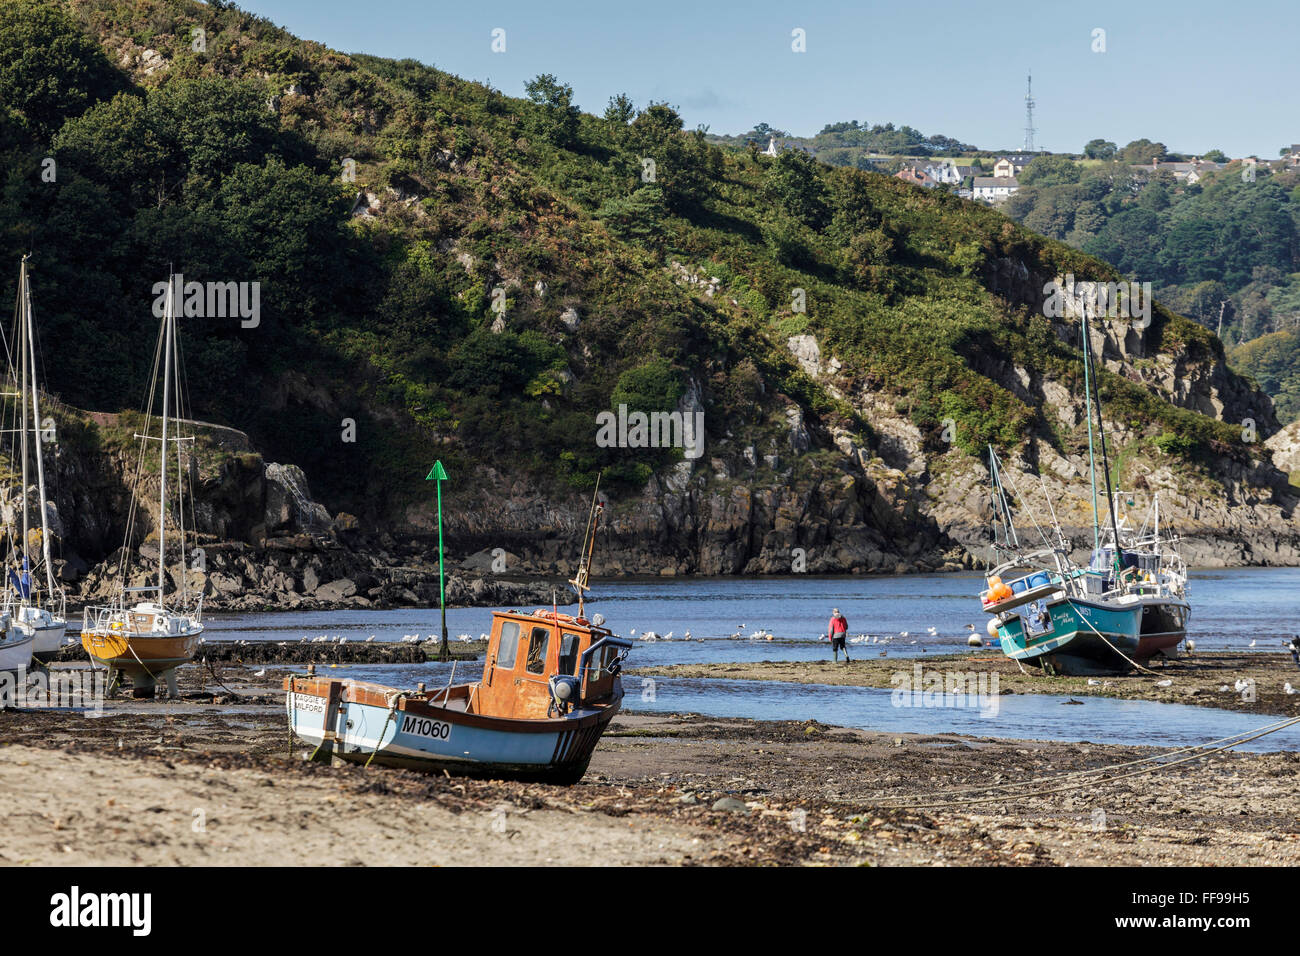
[31, 611]
[148, 640]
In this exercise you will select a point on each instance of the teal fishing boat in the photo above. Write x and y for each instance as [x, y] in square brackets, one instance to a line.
[1123, 607]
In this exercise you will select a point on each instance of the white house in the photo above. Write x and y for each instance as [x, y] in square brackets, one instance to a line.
[943, 172]
[994, 189]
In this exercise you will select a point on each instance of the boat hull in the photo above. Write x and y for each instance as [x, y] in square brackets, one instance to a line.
[1164, 625]
[1073, 635]
[47, 639]
[140, 655]
[15, 654]
[361, 722]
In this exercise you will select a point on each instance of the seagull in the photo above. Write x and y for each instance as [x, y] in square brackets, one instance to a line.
[686, 636]
[1288, 688]
[318, 640]
[902, 633]
[1093, 682]
[668, 636]
[1252, 644]
[343, 640]
[370, 639]
[970, 627]
[261, 673]
[933, 631]
[1164, 683]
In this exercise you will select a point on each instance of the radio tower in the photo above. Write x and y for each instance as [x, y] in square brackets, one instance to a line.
[1029, 113]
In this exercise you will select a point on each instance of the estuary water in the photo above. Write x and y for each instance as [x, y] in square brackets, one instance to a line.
[730, 619]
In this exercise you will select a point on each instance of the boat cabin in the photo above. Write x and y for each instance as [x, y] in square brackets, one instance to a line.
[526, 650]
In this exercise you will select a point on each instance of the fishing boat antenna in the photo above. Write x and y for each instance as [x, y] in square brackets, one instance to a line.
[579, 581]
[1095, 399]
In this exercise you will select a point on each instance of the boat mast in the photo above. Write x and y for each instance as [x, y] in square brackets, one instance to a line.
[30, 336]
[1105, 460]
[579, 582]
[22, 345]
[1092, 460]
[168, 320]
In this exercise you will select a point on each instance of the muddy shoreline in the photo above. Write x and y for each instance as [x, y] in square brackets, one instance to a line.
[1203, 679]
[662, 789]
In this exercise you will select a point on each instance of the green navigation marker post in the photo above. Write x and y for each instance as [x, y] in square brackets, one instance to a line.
[439, 474]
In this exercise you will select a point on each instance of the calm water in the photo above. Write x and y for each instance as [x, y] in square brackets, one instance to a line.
[1230, 610]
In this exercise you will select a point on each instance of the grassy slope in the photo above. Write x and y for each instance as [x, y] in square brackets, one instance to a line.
[471, 201]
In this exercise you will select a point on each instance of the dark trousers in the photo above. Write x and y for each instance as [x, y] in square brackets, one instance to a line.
[838, 644]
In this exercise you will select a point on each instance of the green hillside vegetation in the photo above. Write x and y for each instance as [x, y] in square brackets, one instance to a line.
[229, 163]
[1223, 251]
[851, 143]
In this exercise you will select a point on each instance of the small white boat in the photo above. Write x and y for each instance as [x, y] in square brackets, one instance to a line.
[34, 611]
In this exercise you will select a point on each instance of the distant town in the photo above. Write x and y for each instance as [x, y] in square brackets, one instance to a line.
[994, 178]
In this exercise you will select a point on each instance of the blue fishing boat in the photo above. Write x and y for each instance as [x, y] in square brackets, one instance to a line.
[550, 687]
[1125, 606]
[1051, 623]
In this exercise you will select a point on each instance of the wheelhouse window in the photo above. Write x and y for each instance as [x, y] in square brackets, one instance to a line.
[568, 653]
[508, 646]
[537, 648]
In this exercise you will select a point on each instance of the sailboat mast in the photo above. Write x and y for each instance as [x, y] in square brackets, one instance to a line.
[30, 336]
[169, 319]
[22, 345]
[1092, 460]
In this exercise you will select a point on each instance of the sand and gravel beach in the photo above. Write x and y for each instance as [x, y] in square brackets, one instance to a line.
[214, 778]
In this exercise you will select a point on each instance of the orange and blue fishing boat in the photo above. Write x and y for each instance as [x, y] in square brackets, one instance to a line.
[550, 687]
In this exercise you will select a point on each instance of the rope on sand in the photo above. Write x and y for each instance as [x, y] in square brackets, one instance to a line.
[1199, 753]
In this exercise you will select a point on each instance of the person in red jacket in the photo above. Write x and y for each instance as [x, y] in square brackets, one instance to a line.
[837, 632]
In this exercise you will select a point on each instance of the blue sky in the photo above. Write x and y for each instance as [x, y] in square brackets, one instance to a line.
[1192, 74]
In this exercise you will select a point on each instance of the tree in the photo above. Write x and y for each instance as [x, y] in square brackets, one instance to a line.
[1051, 170]
[555, 118]
[211, 125]
[869, 253]
[639, 216]
[48, 70]
[1099, 149]
[620, 110]
[114, 144]
[1215, 156]
[681, 162]
[1141, 152]
[794, 186]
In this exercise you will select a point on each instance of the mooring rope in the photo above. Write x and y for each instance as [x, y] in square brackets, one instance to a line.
[1154, 758]
[1005, 797]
